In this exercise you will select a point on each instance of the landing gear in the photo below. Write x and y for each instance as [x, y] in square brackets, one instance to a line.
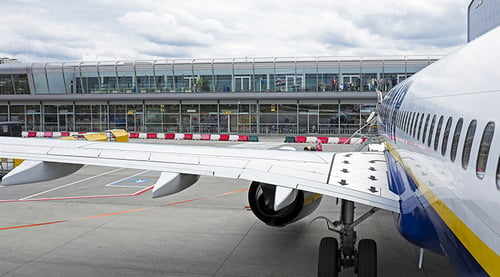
[332, 257]
[329, 262]
[366, 258]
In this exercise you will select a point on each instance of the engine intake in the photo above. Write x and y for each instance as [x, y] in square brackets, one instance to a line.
[261, 197]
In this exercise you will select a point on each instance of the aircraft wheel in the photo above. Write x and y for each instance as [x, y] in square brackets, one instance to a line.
[328, 262]
[367, 258]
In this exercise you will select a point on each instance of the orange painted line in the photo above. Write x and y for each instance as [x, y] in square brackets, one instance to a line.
[182, 202]
[232, 192]
[31, 225]
[116, 213]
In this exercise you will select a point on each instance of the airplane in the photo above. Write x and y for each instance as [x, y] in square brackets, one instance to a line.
[439, 173]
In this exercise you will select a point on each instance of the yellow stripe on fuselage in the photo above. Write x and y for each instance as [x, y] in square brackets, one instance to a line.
[484, 255]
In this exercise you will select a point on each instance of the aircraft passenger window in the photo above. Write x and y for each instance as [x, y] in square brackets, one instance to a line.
[408, 118]
[456, 137]
[484, 149]
[431, 130]
[446, 135]
[408, 121]
[498, 174]
[413, 123]
[469, 138]
[400, 120]
[438, 133]
[420, 126]
[425, 128]
[403, 123]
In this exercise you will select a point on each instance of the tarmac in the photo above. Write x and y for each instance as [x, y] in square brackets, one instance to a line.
[102, 221]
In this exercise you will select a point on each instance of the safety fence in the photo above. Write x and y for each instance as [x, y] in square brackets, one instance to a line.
[207, 137]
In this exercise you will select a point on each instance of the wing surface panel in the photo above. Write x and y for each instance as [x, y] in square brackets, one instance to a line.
[360, 177]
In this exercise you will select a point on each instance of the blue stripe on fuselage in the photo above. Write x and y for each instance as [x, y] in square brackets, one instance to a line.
[420, 224]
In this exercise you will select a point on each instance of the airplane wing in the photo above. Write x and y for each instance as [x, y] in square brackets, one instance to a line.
[358, 176]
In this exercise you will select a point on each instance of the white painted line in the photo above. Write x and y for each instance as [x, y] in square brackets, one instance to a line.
[121, 180]
[70, 184]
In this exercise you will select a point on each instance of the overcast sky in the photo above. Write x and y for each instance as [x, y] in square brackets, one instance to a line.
[62, 30]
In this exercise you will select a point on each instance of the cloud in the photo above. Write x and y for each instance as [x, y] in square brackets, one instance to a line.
[116, 30]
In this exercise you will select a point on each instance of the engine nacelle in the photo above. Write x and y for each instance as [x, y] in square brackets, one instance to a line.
[261, 197]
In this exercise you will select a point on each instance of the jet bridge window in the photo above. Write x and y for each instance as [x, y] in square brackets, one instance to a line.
[469, 139]
[438, 133]
[484, 149]
[456, 137]
[431, 130]
[446, 135]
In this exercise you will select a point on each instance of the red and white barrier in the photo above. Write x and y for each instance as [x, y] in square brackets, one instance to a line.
[328, 140]
[207, 137]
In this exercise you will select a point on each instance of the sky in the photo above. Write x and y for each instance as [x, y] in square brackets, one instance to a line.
[109, 30]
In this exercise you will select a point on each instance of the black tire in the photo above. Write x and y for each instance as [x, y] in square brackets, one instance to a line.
[328, 260]
[367, 258]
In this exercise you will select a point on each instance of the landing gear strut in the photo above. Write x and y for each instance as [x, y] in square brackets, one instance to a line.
[333, 257]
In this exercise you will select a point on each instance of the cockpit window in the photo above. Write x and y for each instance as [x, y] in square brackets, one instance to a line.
[484, 149]
[456, 137]
[469, 138]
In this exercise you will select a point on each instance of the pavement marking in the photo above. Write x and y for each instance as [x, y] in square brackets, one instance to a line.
[31, 225]
[258, 145]
[80, 197]
[183, 202]
[114, 213]
[70, 184]
[231, 192]
[116, 183]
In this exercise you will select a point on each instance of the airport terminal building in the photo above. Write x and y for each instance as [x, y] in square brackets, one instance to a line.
[319, 95]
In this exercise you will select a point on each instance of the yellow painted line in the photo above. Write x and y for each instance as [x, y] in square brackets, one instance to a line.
[484, 255]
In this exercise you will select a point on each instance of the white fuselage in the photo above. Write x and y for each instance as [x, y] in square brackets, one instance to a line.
[464, 85]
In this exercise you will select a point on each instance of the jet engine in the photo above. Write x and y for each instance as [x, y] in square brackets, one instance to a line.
[279, 206]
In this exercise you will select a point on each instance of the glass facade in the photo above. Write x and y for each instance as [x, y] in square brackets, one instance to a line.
[320, 95]
[14, 83]
[217, 75]
[266, 119]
